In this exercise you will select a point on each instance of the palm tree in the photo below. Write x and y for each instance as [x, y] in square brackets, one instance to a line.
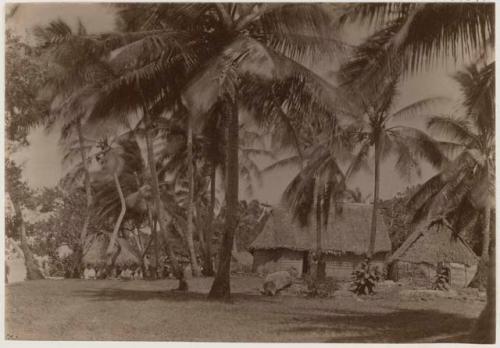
[461, 194]
[421, 34]
[69, 75]
[190, 207]
[407, 143]
[318, 184]
[273, 33]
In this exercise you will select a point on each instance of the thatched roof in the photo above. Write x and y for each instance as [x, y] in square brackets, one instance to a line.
[348, 231]
[95, 251]
[433, 245]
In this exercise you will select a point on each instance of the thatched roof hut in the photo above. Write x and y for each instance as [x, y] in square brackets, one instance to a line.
[95, 251]
[426, 248]
[433, 245]
[284, 243]
[348, 231]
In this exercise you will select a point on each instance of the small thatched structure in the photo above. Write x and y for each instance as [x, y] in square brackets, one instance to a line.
[283, 243]
[419, 257]
[95, 252]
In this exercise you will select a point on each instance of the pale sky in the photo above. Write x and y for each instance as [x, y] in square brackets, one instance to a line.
[42, 159]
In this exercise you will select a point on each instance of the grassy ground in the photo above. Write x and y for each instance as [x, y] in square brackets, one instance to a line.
[149, 311]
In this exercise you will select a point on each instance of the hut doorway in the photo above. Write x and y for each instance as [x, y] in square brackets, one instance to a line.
[305, 263]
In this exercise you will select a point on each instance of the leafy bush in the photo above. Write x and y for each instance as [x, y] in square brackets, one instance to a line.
[441, 282]
[364, 279]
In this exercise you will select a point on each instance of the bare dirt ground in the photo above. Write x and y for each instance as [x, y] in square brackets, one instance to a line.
[150, 311]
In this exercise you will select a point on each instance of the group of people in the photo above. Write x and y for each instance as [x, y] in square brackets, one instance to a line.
[128, 272]
[125, 273]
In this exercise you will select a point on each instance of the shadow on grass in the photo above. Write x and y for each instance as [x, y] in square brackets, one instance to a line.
[116, 294]
[394, 327]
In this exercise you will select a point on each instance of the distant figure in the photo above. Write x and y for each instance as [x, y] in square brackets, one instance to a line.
[126, 274]
[118, 271]
[100, 273]
[188, 272]
[165, 272]
[278, 281]
[138, 273]
[89, 273]
[76, 273]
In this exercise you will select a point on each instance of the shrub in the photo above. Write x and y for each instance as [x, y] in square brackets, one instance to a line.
[441, 282]
[364, 279]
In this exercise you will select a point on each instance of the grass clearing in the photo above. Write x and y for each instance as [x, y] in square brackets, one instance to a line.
[150, 311]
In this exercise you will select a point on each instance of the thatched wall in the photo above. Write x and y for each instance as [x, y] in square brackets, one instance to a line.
[424, 274]
[418, 257]
[418, 274]
[269, 261]
[339, 267]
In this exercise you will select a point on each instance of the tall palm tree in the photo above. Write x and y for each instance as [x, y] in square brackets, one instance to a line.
[466, 182]
[69, 75]
[271, 32]
[421, 34]
[190, 207]
[376, 95]
[409, 144]
[461, 195]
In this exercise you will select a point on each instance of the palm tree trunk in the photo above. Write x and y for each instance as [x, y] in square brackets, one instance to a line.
[221, 288]
[321, 266]
[88, 193]
[32, 270]
[376, 189]
[484, 330]
[486, 232]
[208, 267]
[118, 223]
[157, 258]
[189, 229]
[158, 204]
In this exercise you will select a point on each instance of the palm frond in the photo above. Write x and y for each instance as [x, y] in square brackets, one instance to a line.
[452, 127]
[423, 146]
[419, 108]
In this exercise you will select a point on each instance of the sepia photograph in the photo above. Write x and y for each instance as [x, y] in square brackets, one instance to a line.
[291, 172]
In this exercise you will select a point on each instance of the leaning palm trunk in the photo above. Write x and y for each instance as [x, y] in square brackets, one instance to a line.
[376, 189]
[114, 247]
[88, 193]
[158, 204]
[484, 331]
[221, 288]
[32, 270]
[189, 229]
